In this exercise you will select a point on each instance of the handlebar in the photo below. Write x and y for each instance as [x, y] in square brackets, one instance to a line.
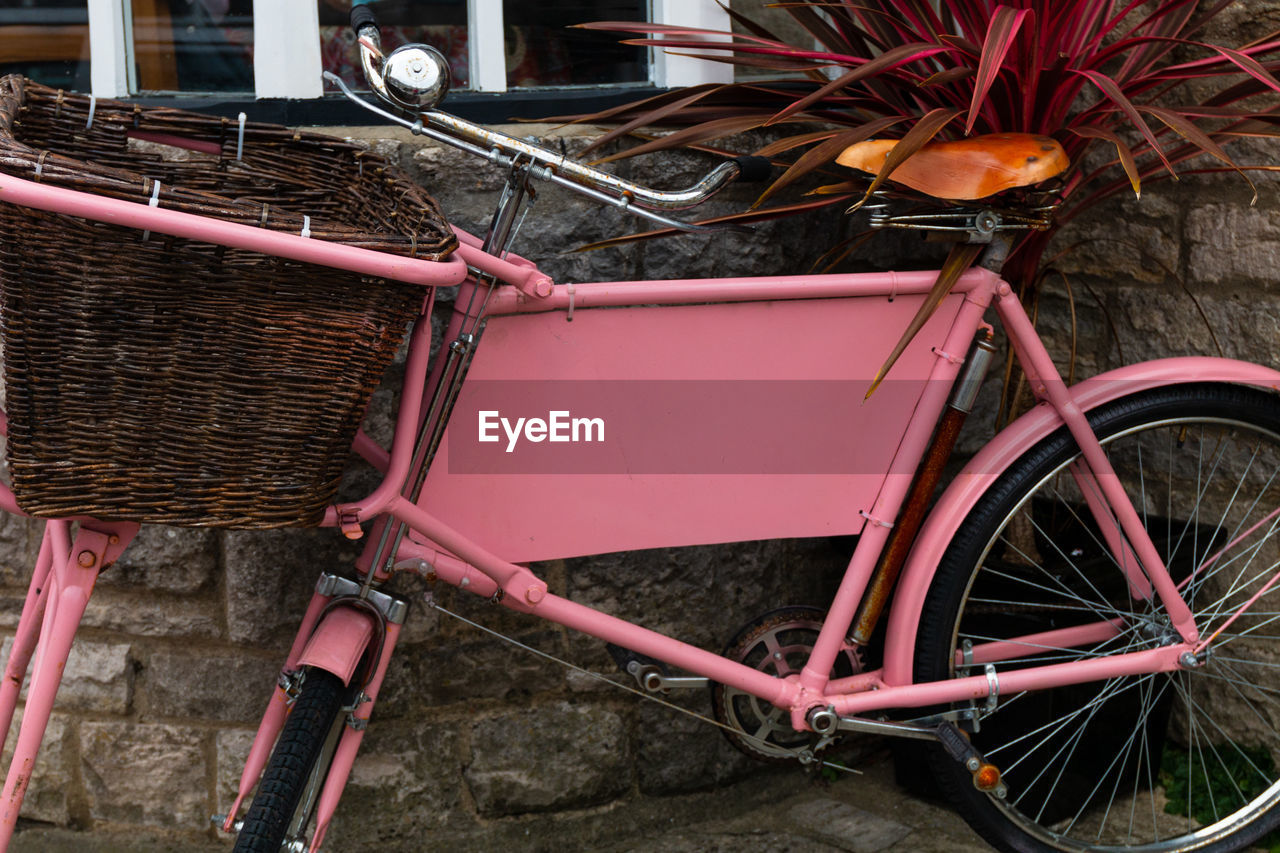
[415, 77]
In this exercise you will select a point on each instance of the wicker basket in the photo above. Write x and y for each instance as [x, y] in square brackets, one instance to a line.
[174, 381]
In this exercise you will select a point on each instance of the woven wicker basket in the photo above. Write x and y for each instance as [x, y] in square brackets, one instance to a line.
[174, 381]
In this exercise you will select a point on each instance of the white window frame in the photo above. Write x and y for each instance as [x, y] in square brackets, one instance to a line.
[292, 27]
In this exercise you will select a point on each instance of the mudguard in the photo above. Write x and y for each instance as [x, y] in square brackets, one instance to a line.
[339, 641]
[1001, 452]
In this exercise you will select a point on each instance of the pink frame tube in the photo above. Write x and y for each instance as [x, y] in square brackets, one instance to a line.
[70, 584]
[295, 247]
[521, 590]
[1003, 450]
[1047, 384]
[484, 573]
[24, 639]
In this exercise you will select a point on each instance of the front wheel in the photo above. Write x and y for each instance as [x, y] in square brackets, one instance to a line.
[1165, 761]
[279, 804]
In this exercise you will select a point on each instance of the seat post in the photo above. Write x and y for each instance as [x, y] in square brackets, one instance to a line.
[997, 252]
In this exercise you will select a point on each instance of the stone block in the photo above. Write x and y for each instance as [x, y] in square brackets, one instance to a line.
[98, 677]
[142, 615]
[232, 748]
[703, 595]
[847, 826]
[180, 560]
[152, 614]
[51, 789]
[676, 753]
[19, 547]
[1126, 241]
[446, 672]
[1232, 246]
[1158, 323]
[142, 773]
[405, 784]
[557, 756]
[270, 578]
[206, 685]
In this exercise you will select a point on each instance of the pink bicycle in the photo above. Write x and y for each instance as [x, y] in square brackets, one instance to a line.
[1080, 627]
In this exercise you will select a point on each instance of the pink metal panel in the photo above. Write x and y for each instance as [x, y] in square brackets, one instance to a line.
[721, 423]
[1003, 450]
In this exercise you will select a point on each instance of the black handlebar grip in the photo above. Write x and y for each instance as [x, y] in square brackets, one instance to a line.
[362, 16]
[753, 169]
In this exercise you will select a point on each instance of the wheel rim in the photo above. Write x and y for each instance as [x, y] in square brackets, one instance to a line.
[1074, 782]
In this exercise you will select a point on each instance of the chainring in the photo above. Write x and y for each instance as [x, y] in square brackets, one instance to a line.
[779, 643]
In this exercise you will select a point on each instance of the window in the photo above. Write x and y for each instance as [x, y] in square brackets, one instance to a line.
[48, 42]
[277, 48]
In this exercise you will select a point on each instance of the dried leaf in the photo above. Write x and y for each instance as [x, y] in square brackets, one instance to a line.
[886, 60]
[1122, 149]
[824, 153]
[714, 129]
[915, 139]
[1197, 137]
[1112, 91]
[960, 258]
[745, 218]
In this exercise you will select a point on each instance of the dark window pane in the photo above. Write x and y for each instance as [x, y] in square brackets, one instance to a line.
[46, 40]
[543, 50]
[441, 24]
[193, 45]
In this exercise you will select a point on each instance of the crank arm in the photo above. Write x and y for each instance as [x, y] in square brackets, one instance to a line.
[986, 776]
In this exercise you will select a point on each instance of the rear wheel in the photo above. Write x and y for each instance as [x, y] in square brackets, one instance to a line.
[1165, 761]
[309, 726]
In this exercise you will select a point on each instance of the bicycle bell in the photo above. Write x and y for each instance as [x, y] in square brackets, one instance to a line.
[416, 76]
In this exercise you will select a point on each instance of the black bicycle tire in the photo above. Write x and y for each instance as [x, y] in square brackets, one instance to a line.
[940, 619]
[303, 737]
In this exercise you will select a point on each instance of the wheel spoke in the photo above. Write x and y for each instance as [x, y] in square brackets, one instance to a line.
[1094, 766]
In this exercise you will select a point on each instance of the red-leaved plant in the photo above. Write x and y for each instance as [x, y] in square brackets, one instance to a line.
[1136, 76]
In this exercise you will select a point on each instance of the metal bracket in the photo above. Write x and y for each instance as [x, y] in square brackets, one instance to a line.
[393, 609]
[290, 682]
[978, 226]
[349, 524]
[993, 689]
[354, 722]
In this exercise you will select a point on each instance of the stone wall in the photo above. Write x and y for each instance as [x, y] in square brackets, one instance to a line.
[184, 635]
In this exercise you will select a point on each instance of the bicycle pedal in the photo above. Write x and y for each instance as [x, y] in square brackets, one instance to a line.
[986, 776]
[648, 672]
[653, 676]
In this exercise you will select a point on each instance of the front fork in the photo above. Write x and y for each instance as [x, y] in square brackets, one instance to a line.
[327, 635]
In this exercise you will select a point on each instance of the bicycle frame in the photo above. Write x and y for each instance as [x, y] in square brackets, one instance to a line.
[525, 303]
[459, 559]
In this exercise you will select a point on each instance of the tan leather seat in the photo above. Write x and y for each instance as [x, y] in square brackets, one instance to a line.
[965, 169]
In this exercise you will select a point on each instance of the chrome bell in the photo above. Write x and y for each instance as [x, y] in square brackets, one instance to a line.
[416, 76]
